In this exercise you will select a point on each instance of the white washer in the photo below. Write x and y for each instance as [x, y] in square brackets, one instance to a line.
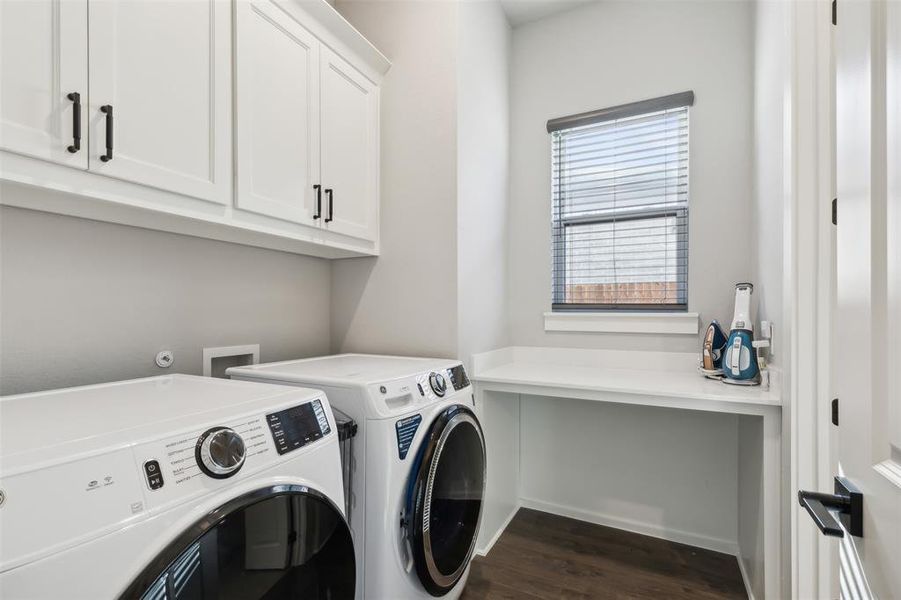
[173, 486]
[422, 455]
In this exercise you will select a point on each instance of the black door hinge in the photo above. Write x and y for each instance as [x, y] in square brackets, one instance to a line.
[835, 411]
[834, 12]
[835, 211]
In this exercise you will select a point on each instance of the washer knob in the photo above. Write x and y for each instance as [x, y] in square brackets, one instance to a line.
[437, 383]
[220, 452]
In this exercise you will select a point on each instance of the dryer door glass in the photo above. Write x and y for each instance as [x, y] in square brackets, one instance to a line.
[448, 499]
[277, 543]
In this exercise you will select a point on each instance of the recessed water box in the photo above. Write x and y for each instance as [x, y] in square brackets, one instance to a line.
[217, 360]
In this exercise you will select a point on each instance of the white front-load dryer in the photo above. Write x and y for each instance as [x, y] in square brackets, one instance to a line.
[419, 480]
[172, 487]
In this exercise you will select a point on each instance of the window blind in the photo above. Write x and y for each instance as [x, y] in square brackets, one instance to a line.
[620, 207]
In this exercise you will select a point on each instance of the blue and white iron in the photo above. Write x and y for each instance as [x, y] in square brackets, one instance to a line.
[712, 351]
[740, 360]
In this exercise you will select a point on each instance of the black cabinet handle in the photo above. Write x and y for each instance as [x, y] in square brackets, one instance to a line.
[108, 111]
[318, 189]
[331, 205]
[847, 499]
[75, 97]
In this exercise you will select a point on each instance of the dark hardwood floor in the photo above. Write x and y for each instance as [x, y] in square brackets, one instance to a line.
[546, 556]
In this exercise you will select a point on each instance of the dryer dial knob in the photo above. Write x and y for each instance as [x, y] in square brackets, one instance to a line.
[220, 452]
[438, 383]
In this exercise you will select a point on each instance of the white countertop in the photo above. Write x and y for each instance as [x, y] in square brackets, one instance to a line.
[617, 376]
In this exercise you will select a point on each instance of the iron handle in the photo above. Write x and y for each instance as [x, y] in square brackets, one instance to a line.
[107, 109]
[331, 205]
[318, 189]
[847, 500]
[75, 97]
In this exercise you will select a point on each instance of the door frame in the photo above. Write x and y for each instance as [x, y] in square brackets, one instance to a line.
[809, 292]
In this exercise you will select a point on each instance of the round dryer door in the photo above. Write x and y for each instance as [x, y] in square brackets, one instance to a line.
[445, 501]
[279, 542]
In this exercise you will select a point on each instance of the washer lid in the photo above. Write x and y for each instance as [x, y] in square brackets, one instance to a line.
[342, 369]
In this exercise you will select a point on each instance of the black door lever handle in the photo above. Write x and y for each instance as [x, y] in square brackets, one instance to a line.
[847, 500]
[816, 504]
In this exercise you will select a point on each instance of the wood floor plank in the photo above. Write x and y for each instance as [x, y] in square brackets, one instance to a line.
[545, 556]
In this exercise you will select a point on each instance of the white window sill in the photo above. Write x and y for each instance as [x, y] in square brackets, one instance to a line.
[674, 323]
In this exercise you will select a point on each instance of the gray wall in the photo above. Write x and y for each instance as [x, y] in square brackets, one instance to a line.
[770, 64]
[405, 302]
[483, 135]
[85, 302]
[609, 53]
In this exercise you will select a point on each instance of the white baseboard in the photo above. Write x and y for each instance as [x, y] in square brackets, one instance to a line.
[744, 575]
[497, 534]
[651, 529]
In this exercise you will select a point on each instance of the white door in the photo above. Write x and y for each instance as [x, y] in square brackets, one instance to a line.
[43, 79]
[164, 66]
[868, 277]
[277, 125]
[350, 138]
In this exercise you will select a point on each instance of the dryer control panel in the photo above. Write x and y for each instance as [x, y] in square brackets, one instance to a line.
[297, 426]
[182, 465]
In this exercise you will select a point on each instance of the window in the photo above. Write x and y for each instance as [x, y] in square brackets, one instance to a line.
[620, 207]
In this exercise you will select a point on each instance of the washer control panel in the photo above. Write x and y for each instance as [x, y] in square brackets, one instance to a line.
[403, 395]
[297, 426]
[438, 383]
[458, 377]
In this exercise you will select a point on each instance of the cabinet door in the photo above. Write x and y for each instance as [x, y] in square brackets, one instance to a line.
[350, 147]
[277, 125]
[165, 68]
[43, 59]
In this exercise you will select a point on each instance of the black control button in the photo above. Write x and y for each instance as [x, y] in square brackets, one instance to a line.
[153, 474]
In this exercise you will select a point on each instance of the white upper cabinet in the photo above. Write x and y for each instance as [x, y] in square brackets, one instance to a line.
[44, 79]
[249, 121]
[165, 69]
[350, 152]
[277, 120]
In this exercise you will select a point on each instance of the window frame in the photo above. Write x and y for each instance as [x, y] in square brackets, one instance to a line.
[558, 225]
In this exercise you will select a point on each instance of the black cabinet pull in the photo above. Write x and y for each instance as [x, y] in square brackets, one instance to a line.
[75, 97]
[331, 205]
[318, 189]
[108, 111]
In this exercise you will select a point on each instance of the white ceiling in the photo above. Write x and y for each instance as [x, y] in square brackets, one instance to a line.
[526, 11]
